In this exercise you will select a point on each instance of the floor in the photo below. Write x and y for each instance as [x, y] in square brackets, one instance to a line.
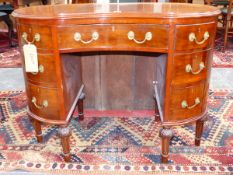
[12, 79]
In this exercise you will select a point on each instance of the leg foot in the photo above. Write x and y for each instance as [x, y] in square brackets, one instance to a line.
[199, 130]
[165, 134]
[80, 107]
[37, 126]
[64, 133]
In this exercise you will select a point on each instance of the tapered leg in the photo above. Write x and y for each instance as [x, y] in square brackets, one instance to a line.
[37, 126]
[166, 135]
[80, 107]
[199, 130]
[64, 133]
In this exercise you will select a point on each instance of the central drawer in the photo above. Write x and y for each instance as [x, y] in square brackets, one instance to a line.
[119, 36]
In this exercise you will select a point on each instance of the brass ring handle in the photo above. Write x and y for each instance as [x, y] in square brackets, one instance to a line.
[78, 37]
[184, 103]
[192, 37]
[35, 38]
[40, 70]
[44, 103]
[131, 36]
[188, 68]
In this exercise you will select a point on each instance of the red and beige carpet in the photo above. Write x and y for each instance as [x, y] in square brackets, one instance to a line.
[11, 57]
[117, 145]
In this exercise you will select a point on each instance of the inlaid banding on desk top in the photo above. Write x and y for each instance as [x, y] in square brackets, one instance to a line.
[164, 10]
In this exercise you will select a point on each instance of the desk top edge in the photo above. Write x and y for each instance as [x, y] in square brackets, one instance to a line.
[113, 10]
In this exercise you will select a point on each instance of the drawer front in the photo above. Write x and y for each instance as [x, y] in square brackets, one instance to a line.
[43, 102]
[106, 36]
[189, 68]
[38, 35]
[190, 37]
[46, 73]
[187, 102]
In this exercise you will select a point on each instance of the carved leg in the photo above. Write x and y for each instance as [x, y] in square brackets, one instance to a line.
[199, 130]
[37, 126]
[80, 106]
[64, 133]
[165, 134]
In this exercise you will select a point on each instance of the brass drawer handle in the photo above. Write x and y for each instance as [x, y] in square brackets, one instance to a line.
[131, 36]
[40, 69]
[188, 68]
[44, 103]
[192, 37]
[78, 37]
[35, 38]
[184, 103]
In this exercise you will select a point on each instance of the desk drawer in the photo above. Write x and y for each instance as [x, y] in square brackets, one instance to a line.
[46, 73]
[43, 102]
[189, 68]
[187, 102]
[190, 37]
[42, 36]
[107, 36]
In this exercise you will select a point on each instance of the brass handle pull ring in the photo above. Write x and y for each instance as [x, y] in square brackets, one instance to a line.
[184, 103]
[131, 36]
[44, 103]
[192, 37]
[36, 38]
[188, 68]
[40, 70]
[78, 37]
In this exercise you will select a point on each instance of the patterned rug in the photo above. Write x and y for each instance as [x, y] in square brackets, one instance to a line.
[117, 145]
[11, 57]
[223, 60]
[4, 42]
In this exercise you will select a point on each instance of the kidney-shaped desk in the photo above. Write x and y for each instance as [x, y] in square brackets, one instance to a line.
[182, 33]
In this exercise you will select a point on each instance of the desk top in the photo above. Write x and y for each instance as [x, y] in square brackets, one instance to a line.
[139, 10]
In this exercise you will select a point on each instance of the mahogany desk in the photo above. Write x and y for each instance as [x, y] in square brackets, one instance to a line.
[183, 32]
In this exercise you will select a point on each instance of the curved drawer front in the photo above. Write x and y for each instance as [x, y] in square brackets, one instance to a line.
[187, 102]
[189, 68]
[120, 36]
[189, 37]
[38, 35]
[46, 73]
[43, 102]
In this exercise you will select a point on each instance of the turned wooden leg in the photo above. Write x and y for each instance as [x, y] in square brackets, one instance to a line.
[37, 127]
[165, 134]
[199, 130]
[80, 106]
[64, 133]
